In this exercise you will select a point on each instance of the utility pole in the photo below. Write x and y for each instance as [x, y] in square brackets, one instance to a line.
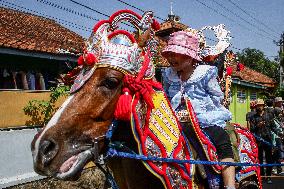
[280, 43]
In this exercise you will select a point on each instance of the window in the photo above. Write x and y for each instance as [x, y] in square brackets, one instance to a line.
[241, 96]
[253, 96]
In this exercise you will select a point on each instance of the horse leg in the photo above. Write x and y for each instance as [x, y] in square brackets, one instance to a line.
[117, 169]
[138, 177]
[132, 174]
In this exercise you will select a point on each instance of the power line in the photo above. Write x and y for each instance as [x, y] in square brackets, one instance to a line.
[61, 21]
[67, 9]
[90, 8]
[87, 7]
[165, 20]
[230, 11]
[253, 17]
[65, 22]
[70, 10]
[128, 4]
[231, 19]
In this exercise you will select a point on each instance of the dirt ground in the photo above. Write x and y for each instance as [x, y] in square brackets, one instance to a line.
[90, 178]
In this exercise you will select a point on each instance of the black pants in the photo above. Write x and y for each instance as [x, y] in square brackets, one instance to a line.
[277, 154]
[221, 140]
[218, 136]
[268, 157]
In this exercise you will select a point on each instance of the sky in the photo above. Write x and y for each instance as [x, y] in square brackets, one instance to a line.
[252, 23]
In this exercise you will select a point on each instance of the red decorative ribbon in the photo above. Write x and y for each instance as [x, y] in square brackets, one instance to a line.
[140, 87]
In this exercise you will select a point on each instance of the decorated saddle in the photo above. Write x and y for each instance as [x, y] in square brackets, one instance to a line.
[159, 134]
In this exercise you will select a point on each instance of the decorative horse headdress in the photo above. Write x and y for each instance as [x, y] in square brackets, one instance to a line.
[109, 46]
[118, 49]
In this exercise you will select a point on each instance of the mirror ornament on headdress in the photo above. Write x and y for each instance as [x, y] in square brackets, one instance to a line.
[209, 53]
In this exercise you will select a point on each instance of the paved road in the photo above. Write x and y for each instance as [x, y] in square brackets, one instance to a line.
[277, 183]
[16, 164]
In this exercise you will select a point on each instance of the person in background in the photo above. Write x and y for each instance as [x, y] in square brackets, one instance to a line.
[186, 79]
[250, 114]
[278, 111]
[260, 126]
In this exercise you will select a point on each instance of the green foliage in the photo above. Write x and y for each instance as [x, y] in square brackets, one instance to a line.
[256, 60]
[279, 92]
[41, 111]
[281, 58]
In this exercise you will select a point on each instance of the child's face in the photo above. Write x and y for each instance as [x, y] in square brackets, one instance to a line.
[179, 61]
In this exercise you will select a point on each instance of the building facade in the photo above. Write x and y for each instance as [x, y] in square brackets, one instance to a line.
[247, 85]
[34, 51]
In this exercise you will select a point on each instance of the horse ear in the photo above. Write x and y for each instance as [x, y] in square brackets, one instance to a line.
[123, 106]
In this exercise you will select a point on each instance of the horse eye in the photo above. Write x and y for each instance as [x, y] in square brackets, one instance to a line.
[110, 83]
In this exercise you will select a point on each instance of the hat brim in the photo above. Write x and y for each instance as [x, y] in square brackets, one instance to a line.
[181, 50]
[260, 104]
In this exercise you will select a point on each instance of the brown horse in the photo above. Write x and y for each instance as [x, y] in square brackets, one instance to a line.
[76, 133]
[66, 144]
[62, 148]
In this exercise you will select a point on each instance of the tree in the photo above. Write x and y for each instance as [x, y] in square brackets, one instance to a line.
[256, 60]
[41, 111]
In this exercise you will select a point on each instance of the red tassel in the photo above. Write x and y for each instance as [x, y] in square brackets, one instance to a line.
[91, 59]
[80, 60]
[123, 106]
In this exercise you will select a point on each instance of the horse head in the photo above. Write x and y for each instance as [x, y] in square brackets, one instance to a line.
[66, 143]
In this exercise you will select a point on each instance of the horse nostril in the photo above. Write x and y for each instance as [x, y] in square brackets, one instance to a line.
[48, 150]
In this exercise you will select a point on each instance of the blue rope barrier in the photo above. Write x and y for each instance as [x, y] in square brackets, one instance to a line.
[114, 153]
[260, 139]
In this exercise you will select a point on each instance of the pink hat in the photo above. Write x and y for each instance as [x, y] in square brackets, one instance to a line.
[185, 43]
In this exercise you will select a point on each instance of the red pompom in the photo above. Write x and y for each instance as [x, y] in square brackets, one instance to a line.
[80, 60]
[123, 106]
[91, 59]
[229, 70]
[155, 25]
[240, 66]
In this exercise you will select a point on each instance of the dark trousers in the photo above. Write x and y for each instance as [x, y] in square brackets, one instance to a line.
[277, 154]
[268, 157]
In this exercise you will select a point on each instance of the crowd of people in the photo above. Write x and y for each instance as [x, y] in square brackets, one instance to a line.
[265, 121]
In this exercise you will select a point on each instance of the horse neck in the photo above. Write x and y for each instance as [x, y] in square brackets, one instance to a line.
[123, 134]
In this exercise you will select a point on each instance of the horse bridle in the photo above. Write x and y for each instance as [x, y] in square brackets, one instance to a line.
[95, 149]
[99, 159]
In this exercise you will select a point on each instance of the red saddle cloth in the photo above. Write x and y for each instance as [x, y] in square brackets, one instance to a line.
[158, 133]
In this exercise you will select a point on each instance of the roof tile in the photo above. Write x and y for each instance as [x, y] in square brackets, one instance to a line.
[30, 32]
[253, 76]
